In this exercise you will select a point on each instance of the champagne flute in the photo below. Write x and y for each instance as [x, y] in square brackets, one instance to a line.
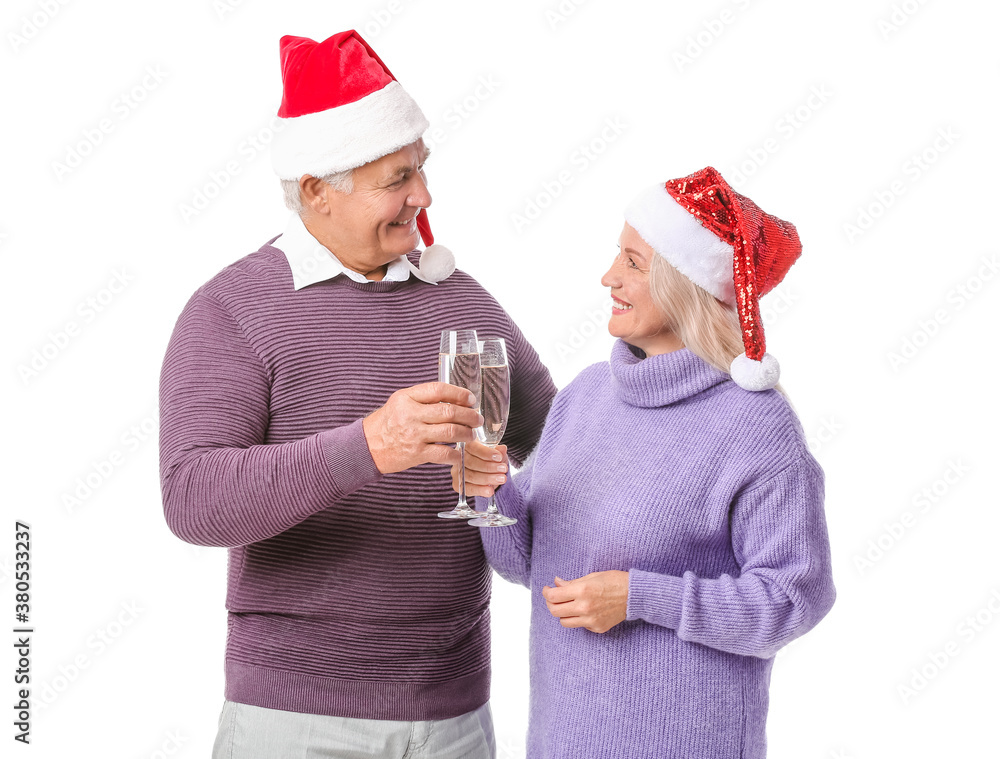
[458, 364]
[495, 407]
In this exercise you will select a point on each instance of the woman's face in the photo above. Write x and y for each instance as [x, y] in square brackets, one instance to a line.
[635, 318]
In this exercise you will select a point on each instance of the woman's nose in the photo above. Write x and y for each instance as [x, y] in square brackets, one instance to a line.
[611, 278]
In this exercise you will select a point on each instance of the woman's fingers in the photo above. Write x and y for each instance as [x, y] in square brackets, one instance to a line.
[597, 601]
[480, 457]
[485, 469]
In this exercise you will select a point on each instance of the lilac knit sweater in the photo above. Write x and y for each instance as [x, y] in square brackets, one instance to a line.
[347, 595]
[707, 495]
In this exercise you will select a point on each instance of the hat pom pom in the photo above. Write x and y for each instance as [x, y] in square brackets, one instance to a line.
[755, 375]
[436, 263]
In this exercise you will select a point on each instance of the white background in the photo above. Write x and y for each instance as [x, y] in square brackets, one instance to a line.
[872, 114]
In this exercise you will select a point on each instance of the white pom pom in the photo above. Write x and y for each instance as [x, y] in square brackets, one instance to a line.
[436, 263]
[755, 375]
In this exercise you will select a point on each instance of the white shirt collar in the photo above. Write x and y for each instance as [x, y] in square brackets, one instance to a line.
[312, 262]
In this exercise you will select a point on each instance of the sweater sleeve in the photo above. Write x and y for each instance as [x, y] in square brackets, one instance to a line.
[508, 549]
[222, 484]
[785, 584]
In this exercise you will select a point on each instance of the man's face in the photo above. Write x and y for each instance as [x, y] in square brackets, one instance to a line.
[377, 222]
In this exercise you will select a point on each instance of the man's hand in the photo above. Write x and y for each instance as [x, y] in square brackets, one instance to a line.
[485, 469]
[597, 601]
[408, 429]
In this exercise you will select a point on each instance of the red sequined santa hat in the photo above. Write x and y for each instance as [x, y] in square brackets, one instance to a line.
[342, 108]
[724, 243]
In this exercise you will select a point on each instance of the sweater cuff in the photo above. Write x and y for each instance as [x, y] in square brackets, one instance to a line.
[346, 453]
[655, 598]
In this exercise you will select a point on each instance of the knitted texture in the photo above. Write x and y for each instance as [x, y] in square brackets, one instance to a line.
[707, 495]
[347, 596]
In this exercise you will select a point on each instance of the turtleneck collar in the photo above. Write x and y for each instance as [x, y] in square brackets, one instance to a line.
[660, 380]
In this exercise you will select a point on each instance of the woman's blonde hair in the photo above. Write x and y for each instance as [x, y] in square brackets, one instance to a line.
[708, 327]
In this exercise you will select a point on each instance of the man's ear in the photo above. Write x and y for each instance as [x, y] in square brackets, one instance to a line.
[313, 193]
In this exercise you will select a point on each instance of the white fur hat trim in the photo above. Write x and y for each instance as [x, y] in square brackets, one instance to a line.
[677, 235]
[348, 136]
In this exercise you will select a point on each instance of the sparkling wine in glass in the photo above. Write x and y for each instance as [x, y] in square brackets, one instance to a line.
[494, 405]
[458, 364]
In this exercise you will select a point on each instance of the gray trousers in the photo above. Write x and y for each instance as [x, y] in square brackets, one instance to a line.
[252, 732]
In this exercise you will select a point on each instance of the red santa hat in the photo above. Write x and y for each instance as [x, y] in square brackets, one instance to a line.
[724, 243]
[342, 108]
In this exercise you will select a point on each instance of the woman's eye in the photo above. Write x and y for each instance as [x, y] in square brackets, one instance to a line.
[631, 264]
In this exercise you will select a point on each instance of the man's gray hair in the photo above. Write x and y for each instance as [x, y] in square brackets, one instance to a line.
[341, 181]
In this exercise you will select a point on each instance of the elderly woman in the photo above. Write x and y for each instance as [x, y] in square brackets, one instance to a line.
[670, 522]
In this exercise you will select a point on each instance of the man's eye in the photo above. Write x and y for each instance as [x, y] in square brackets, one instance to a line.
[632, 264]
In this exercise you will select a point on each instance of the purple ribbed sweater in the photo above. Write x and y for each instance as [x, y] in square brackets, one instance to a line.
[347, 595]
[707, 495]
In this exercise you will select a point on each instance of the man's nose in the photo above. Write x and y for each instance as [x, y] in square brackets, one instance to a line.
[419, 194]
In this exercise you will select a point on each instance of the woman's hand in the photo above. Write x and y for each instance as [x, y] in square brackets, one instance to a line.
[485, 469]
[597, 601]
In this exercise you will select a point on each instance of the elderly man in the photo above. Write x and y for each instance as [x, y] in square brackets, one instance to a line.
[302, 429]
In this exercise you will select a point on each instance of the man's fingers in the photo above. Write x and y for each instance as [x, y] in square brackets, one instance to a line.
[448, 433]
[444, 413]
[441, 392]
[400, 433]
[441, 454]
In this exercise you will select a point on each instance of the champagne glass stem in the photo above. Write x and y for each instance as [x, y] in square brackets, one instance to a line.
[491, 507]
[462, 503]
